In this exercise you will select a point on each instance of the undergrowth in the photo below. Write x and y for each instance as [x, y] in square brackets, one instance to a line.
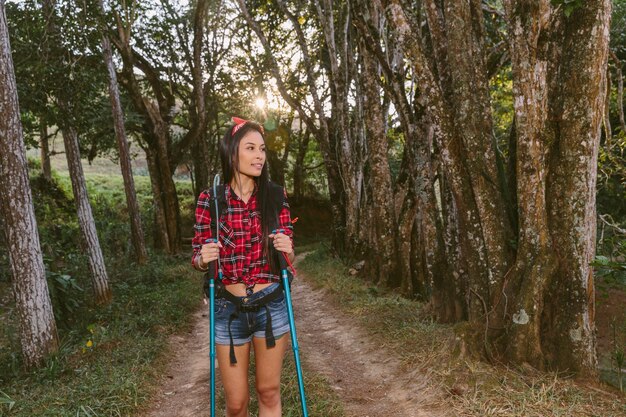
[470, 388]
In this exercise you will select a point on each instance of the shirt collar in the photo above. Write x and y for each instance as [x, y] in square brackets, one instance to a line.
[231, 194]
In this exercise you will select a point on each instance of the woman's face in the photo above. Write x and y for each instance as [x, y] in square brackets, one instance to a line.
[251, 154]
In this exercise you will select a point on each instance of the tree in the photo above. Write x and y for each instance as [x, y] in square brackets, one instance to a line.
[63, 96]
[125, 163]
[38, 333]
[166, 58]
[559, 88]
[559, 106]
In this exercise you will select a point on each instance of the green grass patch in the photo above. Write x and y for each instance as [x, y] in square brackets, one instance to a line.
[108, 361]
[470, 388]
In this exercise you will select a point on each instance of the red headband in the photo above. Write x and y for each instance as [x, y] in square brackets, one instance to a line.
[239, 123]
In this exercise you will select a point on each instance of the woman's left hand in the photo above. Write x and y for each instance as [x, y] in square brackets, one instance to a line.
[282, 242]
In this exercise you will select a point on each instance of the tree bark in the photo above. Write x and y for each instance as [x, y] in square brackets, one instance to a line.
[157, 114]
[559, 108]
[199, 113]
[298, 168]
[620, 89]
[99, 277]
[136, 228]
[161, 234]
[570, 330]
[382, 250]
[346, 146]
[46, 168]
[38, 332]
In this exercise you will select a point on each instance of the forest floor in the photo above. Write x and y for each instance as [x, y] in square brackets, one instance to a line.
[373, 372]
[368, 381]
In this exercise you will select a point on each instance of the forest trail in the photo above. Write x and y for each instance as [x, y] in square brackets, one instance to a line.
[368, 380]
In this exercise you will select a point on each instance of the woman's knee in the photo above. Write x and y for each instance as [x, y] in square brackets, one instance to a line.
[269, 394]
[237, 405]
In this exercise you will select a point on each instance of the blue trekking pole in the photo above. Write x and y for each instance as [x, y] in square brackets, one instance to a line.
[292, 325]
[217, 272]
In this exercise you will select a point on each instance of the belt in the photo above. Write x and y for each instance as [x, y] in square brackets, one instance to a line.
[242, 306]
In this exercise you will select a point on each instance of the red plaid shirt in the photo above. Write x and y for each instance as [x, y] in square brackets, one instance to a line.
[241, 236]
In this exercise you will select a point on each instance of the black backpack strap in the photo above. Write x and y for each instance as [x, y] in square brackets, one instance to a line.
[215, 221]
[222, 205]
[277, 200]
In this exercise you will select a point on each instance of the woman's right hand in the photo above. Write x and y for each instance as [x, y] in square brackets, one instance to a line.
[209, 253]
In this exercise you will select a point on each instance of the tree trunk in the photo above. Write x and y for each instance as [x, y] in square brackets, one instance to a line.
[298, 168]
[200, 147]
[450, 292]
[382, 250]
[570, 332]
[559, 111]
[201, 164]
[345, 146]
[168, 196]
[157, 113]
[46, 168]
[137, 235]
[99, 278]
[161, 235]
[620, 89]
[38, 332]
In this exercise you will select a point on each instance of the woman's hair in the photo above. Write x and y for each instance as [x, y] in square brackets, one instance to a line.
[229, 155]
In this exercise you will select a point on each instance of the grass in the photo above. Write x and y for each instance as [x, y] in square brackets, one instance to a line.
[109, 359]
[321, 399]
[471, 388]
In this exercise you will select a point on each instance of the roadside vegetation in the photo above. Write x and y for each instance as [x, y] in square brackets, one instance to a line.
[473, 387]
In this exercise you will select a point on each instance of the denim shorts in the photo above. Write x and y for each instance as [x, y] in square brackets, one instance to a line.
[250, 324]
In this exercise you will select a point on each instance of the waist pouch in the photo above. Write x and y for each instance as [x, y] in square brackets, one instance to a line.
[243, 306]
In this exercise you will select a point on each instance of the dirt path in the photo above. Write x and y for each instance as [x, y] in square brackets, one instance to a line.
[368, 381]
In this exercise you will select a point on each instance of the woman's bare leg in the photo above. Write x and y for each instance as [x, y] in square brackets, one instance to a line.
[235, 379]
[269, 363]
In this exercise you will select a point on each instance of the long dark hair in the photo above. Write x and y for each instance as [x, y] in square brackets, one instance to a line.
[229, 155]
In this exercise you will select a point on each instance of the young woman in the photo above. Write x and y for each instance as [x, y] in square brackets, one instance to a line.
[250, 309]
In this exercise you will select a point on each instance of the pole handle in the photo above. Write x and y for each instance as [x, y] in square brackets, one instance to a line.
[282, 262]
[213, 264]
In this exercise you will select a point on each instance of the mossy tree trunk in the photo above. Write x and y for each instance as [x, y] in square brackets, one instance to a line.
[559, 78]
[559, 105]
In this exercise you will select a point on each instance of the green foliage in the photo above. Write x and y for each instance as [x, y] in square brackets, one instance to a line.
[501, 92]
[107, 358]
[5, 400]
[568, 5]
[613, 272]
[66, 295]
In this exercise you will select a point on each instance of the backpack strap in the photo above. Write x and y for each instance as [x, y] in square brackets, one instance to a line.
[222, 206]
[277, 199]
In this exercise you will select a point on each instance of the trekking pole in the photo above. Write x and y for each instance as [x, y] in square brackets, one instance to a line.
[217, 273]
[282, 259]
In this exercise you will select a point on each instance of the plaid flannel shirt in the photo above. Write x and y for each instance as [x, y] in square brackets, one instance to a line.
[241, 236]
